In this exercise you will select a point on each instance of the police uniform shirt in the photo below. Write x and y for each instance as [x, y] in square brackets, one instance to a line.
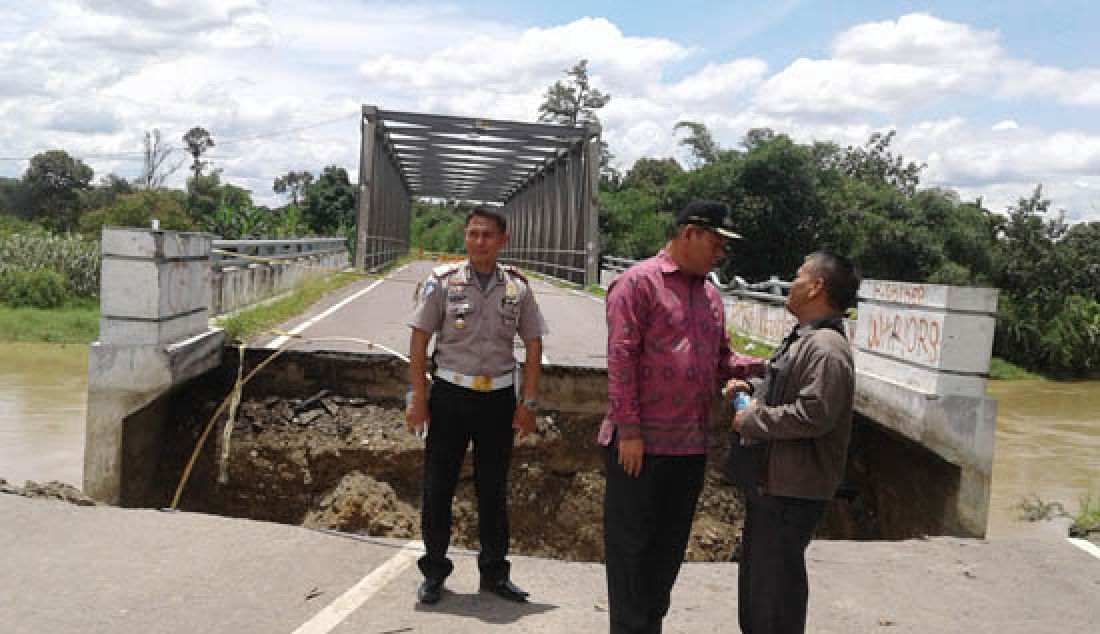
[476, 329]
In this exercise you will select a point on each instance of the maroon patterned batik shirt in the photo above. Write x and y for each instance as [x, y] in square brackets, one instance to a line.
[668, 354]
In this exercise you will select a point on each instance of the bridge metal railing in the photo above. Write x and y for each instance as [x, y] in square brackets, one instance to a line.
[569, 263]
[772, 290]
[235, 253]
[245, 272]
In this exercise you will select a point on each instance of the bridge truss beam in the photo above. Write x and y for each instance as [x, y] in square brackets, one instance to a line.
[542, 177]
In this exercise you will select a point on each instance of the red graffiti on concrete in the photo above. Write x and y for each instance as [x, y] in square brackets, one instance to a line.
[767, 322]
[912, 336]
[898, 292]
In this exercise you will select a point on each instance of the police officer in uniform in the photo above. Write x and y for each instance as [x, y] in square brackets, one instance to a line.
[475, 308]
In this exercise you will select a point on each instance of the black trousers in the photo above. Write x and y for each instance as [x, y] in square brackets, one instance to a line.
[646, 523]
[459, 416]
[772, 589]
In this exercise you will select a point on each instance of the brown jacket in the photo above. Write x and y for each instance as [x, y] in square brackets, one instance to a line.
[809, 426]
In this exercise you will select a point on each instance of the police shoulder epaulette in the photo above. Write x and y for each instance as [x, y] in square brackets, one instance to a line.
[511, 270]
[444, 270]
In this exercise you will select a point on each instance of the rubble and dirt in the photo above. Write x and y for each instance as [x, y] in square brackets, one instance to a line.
[53, 489]
[349, 464]
[359, 503]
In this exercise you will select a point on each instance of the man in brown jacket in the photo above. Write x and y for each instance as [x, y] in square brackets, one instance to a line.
[802, 412]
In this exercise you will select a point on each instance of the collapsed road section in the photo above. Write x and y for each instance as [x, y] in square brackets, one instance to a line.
[319, 440]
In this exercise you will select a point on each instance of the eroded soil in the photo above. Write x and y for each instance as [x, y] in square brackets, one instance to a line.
[350, 465]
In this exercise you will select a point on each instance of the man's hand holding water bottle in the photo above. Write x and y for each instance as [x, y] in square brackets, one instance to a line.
[738, 391]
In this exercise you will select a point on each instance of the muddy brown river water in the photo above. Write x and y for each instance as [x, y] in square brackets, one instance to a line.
[1048, 433]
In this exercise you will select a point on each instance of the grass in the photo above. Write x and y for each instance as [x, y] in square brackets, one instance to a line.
[1087, 519]
[1002, 370]
[76, 322]
[258, 319]
[747, 345]
[1035, 509]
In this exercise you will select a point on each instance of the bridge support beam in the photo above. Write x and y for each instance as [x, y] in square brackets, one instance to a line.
[154, 335]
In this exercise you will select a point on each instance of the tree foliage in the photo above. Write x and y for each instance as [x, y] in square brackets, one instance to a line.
[293, 182]
[699, 142]
[330, 200]
[198, 141]
[573, 100]
[138, 209]
[438, 226]
[789, 199]
[52, 184]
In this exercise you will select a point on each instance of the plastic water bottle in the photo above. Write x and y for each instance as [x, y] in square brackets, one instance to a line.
[740, 400]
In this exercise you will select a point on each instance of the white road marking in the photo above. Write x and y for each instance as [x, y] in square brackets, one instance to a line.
[590, 296]
[279, 341]
[334, 613]
[1086, 546]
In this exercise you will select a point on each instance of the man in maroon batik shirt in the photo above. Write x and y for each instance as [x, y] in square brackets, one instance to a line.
[668, 354]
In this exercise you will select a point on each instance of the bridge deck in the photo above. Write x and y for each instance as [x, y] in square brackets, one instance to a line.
[72, 569]
[378, 310]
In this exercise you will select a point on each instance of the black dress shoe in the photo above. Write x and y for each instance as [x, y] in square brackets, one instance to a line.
[505, 589]
[429, 592]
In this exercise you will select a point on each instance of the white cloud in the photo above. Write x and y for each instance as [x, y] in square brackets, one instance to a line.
[918, 39]
[896, 65]
[536, 56]
[719, 81]
[91, 76]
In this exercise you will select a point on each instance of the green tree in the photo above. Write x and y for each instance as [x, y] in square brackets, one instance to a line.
[1080, 255]
[14, 198]
[699, 142]
[330, 200]
[653, 174]
[632, 224]
[1027, 261]
[773, 190]
[104, 193]
[204, 194]
[197, 141]
[53, 180]
[289, 222]
[293, 182]
[138, 210]
[875, 163]
[573, 100]
[438, 227]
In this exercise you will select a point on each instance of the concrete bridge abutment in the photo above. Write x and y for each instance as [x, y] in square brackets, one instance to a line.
[158, 291]
[154, 297]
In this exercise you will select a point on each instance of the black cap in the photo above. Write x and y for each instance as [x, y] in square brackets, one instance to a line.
[709, 214]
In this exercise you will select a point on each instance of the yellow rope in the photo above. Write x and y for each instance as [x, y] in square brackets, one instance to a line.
[235, 394]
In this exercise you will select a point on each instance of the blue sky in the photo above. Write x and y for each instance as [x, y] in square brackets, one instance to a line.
[994, 97]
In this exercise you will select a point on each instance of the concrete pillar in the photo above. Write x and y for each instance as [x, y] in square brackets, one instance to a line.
[154, 296]
[922, 354]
